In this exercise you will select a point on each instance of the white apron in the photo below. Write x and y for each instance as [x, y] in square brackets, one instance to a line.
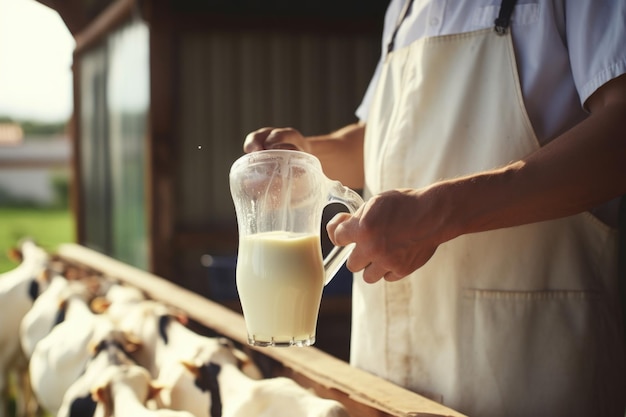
[522, 321]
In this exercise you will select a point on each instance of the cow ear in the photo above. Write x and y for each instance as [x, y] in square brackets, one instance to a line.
[182, 318]
[154, 389]
[191, 367]
[99, 305]
[245, 363]
[45, 276]
[251, 370]
[92, 348]
[102, 394]
[15, 255]
[131, 343]
[98, 394]
[62, 304]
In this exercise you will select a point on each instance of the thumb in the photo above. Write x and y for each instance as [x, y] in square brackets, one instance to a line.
[341, 229]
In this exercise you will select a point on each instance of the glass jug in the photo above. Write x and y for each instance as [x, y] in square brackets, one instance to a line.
[279, 197]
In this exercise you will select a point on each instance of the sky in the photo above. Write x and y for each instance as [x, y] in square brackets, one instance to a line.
[35, 62]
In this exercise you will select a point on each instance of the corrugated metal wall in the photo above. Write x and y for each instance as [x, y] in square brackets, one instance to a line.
[231, 83]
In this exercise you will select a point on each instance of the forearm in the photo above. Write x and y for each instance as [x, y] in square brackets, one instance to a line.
[577, 171]
[341, 154]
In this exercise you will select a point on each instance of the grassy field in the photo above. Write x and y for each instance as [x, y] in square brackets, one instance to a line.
[48, 227]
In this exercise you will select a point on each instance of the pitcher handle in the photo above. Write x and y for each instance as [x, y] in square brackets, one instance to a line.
[338, 254]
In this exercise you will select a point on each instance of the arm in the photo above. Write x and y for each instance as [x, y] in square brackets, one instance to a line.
[398, 231]
[582, 168]
[340, 152]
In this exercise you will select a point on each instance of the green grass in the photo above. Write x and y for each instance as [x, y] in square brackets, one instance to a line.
[48, 227]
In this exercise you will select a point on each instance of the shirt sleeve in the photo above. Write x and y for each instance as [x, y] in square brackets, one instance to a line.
[596, 39]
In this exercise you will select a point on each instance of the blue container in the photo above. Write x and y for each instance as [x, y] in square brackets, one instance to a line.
[222, 284]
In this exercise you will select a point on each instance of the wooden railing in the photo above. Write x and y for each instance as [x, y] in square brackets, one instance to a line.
[363, 394]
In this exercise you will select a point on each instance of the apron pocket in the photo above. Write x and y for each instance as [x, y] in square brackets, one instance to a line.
[537, 353]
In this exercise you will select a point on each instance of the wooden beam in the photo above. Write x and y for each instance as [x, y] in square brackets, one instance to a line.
[162, 158]
[76, 194]
[72, 13]
[113, 16]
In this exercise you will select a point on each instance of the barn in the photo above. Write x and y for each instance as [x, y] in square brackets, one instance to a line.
[164, 93]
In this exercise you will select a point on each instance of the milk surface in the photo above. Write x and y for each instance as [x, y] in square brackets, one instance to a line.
[280, 278]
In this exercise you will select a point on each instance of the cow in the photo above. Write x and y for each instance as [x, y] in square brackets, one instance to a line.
[61, 356]
[210, 377]
[167, 342]
[119, 299]
[183, 388]
[45, 313]
[234, 394]
[19, 288]
[112, 350]
[123, 391]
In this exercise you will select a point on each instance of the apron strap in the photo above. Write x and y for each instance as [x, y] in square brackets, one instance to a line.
[504, 17]
[403, 14]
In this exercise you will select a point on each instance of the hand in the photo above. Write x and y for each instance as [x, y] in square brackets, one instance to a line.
[396, 232]
[275, 138]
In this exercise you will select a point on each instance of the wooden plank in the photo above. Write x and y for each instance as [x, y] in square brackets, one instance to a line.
[161, 155]
[76, 192]
[118, 12]
[362, 393]
[72, 12]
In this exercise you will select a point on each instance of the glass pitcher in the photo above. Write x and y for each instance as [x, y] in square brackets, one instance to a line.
[279, 197]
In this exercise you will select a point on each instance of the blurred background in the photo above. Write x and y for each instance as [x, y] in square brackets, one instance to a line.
[35, 106]
[120, 119]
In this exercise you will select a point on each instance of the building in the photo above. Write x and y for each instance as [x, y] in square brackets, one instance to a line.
[29, 167]
[165, 92]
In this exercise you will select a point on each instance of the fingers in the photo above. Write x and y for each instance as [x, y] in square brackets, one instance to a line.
[367, 256]
[273, 138]
[255, 141]
[284, 138]
[374, 272]
[342, 230]
[331, 227]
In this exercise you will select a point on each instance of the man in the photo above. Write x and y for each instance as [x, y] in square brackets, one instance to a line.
[492, 157]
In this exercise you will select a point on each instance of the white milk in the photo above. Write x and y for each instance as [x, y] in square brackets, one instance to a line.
[280, 277]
